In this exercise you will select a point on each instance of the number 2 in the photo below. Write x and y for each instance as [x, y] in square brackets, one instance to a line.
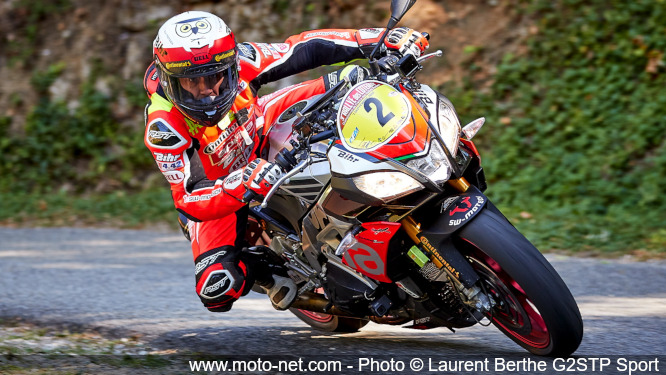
[383, 119]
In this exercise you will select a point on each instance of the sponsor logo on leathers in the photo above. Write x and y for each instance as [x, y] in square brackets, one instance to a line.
[268, 50]
[205, 262]
[210, 149]
[166, 167]
[204, 197]
[169, 158]
[174, 177]
[369, 33]
[248, 53]
[327, 33]
[233, 180]
[217, 284]
[161, 135]
[232, 153]
[281, 47]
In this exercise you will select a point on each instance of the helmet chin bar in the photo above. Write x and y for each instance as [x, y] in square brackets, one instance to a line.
[209, 110]
[212, 117]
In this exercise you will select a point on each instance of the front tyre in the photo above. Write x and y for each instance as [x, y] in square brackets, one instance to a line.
[533, 306]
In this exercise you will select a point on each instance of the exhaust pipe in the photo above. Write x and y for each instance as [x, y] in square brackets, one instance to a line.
[317, 303]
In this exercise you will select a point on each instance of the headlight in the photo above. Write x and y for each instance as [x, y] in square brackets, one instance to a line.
[449, 127]
[386, 185]
[435, 165]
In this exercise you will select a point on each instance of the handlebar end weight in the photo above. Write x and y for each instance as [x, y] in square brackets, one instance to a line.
[249, 195]
[285, 159]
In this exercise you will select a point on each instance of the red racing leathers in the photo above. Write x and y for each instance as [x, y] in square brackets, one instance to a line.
[204, 164]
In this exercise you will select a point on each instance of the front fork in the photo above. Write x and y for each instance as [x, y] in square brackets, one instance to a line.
[448, 262]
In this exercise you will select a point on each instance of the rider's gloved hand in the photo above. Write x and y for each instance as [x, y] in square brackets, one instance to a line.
[260, 175]
[406, 41]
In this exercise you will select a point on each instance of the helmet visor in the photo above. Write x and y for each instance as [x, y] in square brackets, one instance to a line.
[208, 92]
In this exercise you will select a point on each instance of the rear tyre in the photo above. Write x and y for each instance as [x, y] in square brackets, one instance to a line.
[329, 323]
[533, 306]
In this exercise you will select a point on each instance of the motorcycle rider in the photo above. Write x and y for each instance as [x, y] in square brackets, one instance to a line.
[205, 123]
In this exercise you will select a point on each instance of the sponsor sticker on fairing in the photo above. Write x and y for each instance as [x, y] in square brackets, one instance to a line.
[464, 210]
[333, 79]
[371, 114]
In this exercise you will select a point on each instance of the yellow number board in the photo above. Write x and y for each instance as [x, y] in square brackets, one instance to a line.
[370, 115]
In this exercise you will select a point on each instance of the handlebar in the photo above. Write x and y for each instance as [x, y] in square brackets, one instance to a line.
[323, 135]
[325, 97]
[286, 159]
[297, 169]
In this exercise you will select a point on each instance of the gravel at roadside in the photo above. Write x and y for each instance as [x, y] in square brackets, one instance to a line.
[26, 348]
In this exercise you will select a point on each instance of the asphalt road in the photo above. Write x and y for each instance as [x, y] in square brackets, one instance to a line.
[143, 282]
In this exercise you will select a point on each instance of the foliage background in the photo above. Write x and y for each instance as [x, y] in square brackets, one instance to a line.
[573, 145]
[577, 126]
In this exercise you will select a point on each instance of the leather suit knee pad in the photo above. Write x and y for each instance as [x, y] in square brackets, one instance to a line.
[221, 278]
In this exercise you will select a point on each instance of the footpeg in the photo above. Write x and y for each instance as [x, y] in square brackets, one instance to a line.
[282, 293]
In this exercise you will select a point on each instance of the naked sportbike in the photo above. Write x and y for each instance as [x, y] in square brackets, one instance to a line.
[381, 217]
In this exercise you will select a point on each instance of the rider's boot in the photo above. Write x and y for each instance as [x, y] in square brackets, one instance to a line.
[281, 289]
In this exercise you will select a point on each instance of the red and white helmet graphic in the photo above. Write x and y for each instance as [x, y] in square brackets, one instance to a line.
[197, 60]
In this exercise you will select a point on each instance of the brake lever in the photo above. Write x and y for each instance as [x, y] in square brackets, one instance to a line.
[297, 169]
[423, 58]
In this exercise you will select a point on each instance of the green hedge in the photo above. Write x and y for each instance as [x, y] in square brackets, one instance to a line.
[575, 133]
[79, 146]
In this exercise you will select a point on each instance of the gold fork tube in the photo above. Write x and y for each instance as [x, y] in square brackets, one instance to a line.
[413, 229]
[459, 184]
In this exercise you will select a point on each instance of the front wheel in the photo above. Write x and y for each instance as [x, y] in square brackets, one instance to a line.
[532, 305]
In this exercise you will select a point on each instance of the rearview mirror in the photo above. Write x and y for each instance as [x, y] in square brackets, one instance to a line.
[398, 10]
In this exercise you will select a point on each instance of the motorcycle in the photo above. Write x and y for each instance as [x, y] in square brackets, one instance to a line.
[381, 217]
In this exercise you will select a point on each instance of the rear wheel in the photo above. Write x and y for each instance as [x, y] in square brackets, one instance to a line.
[328, 322]
[532, 305]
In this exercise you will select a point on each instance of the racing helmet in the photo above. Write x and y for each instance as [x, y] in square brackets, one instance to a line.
[197, 61]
